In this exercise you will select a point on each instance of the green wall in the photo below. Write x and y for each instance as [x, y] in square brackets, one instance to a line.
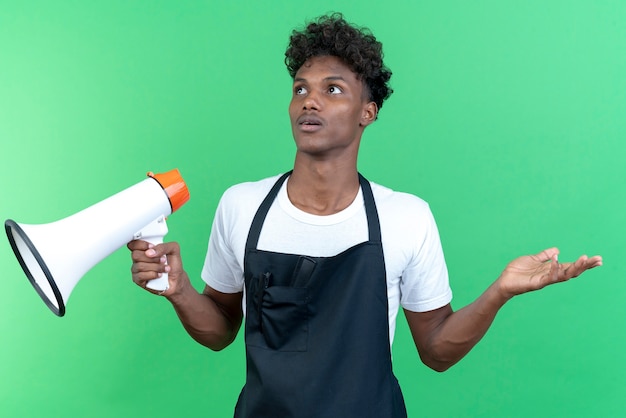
[509, 118]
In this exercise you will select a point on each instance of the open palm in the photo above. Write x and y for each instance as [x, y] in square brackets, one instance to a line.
[533, 272]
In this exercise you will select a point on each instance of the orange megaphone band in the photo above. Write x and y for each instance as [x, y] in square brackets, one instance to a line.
[175, 188]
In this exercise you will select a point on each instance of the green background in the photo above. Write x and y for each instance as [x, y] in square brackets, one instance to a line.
[508, 117]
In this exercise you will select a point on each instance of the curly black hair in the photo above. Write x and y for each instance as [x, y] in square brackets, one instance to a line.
[357, 47]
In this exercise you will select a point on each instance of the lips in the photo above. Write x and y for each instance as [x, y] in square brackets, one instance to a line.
[309, 123]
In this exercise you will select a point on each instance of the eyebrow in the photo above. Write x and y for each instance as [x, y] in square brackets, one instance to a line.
[329, 78]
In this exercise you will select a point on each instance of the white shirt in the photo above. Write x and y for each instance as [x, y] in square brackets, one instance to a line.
[417, 277]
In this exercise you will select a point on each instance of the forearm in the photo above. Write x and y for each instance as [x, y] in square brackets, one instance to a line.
[203, 319]
[463, 329]
[444, 337]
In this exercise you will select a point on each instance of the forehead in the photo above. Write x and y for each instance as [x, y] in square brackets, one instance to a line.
[326, 66]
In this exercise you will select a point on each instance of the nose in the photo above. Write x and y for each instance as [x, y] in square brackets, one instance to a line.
[311, 102]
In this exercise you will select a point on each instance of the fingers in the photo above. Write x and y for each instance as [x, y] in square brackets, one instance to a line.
[138, 245]
[151, 261]
[149, 271]
[560, 272]
[147, 252]
[547, 255]
[169, 249]
[571, 270]
[595, 261]
[555, 269]
[142, 273]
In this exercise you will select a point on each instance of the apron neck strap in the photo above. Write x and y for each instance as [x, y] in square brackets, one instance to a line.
[261, 213]
[373, 223]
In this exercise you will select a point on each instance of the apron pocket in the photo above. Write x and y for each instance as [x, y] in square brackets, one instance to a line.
[285, 318]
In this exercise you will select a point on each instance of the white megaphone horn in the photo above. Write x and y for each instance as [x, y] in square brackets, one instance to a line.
[55, 256]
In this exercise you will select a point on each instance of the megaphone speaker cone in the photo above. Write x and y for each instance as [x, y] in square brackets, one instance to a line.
[35, 267]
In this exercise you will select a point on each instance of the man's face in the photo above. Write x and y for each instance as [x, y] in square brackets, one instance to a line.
[329, 107]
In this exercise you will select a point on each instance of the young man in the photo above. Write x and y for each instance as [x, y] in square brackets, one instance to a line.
[320, 259]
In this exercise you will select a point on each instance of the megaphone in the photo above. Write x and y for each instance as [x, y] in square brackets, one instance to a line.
[55, 256]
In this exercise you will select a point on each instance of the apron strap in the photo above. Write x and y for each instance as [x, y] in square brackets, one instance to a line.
[259, 217]
[370, 210]
[261, 213]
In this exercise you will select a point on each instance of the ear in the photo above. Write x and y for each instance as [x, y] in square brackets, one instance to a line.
[370, 112]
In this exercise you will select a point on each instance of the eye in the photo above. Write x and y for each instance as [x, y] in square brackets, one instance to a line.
[334, 90]
[299, 90]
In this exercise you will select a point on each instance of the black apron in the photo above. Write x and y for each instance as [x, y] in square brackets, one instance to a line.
[317, 330]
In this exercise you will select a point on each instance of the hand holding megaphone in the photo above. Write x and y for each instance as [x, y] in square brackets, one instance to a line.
[154, 233]
[137, 212]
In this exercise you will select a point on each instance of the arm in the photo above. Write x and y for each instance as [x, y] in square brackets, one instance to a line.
[211, 318]
[444, 337]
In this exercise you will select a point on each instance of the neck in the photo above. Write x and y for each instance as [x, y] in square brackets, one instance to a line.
[322, 188]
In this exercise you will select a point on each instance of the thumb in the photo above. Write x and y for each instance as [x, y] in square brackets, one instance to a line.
[547, 255]
[166, 248]
[169, 253]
